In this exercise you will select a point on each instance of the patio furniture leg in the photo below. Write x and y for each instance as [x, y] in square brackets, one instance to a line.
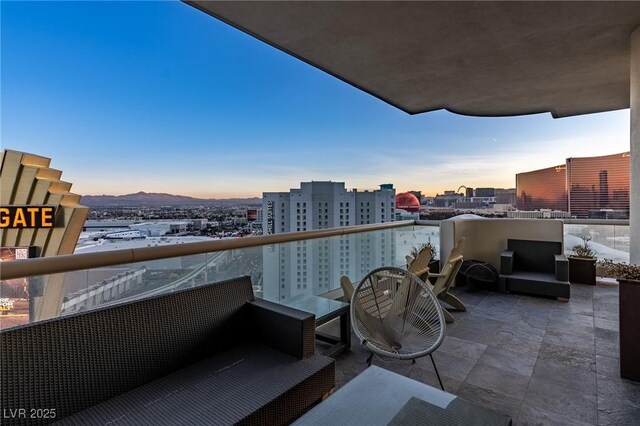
[436, 368]
[454, 301]
[369, 360]
[447, 316]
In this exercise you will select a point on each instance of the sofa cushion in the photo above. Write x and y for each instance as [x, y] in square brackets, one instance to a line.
[537, 283]
[238, 385]
[536, 256]
[79, 360]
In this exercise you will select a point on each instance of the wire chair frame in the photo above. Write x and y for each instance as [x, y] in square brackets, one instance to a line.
[395, 314]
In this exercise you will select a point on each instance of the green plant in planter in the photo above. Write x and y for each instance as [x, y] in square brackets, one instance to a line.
[620, 270]
[584, 250]
[582, 264]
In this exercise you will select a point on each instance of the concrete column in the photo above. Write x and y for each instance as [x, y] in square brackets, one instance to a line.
[634, 218]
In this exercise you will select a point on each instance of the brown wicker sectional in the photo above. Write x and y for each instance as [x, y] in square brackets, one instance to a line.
[208, 355]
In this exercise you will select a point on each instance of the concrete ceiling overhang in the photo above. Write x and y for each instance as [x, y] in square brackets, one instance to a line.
[484, 58]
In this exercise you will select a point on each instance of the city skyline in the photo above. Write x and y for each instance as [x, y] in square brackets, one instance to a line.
[158, 97]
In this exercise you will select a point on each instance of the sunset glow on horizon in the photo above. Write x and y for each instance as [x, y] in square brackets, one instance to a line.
[159, 97]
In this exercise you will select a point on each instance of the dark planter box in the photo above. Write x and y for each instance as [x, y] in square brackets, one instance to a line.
[629, 330]
[582, 271]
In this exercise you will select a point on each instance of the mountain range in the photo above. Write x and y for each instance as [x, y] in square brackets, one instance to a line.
[151, 199]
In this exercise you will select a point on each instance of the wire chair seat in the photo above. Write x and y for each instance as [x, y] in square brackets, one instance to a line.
[395, 314]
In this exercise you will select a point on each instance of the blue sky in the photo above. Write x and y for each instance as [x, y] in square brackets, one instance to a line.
[159, 97]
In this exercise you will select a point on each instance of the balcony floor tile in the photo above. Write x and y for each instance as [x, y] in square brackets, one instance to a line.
[539, 360]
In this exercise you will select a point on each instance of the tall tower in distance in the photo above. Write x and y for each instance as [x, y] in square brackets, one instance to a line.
[604, 189]
[312, 266]
[325, 204]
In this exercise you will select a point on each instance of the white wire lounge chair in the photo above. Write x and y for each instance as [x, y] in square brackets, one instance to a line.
[395, 314]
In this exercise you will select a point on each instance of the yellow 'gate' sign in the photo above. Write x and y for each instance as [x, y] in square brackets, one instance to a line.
[27, 216]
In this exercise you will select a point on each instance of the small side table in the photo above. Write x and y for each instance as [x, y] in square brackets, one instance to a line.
[326, 310]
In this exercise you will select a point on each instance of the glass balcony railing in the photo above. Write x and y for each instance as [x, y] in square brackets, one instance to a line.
[278, 272]
[314, 267]
[610, 241]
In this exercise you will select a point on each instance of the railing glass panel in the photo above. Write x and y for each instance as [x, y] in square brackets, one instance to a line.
[278, 272]
[609, 241]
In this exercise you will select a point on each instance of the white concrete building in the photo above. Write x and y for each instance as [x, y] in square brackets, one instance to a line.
[313, 266]
[159, 229]
[319, 205]
[125, 234]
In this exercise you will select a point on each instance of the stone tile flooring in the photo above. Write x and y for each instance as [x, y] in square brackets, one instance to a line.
[542, 361]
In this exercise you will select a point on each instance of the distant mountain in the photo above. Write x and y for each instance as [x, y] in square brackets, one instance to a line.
[151, 199]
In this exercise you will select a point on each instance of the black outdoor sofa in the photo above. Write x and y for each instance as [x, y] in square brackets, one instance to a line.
[535, 267]
[208, 355]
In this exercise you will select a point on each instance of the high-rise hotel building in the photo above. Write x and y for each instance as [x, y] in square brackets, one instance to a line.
[320, 205]
[542, 189]
[598, 183]
[583, 186]
[315, 266]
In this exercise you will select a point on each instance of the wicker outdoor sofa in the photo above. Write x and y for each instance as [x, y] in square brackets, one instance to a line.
[207, 355]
